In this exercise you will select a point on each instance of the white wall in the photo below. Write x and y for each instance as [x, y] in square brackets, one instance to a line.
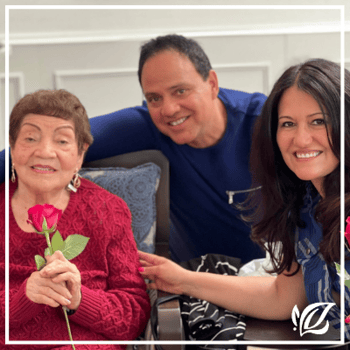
[94, 53]
[68, 21]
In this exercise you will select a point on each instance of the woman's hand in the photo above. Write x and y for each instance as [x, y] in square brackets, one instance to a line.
[42, 290]
[62, 272]
[165, 274]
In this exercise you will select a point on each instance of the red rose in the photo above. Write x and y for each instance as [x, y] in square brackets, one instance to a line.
[347, 230]
[38, 213]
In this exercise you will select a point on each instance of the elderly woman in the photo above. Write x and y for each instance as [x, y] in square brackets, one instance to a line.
[102, 289]
[296, 158]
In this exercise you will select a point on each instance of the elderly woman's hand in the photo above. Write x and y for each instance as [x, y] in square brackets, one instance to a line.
[42, 290]
[61, 271]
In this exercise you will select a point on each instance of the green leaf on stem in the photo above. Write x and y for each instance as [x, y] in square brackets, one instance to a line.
[52, 229]
[346, 274]
[74, 245]
[40, 233]
[57, 242]
[44, 225]
[47, 251]
[39, 261]
[337, 266]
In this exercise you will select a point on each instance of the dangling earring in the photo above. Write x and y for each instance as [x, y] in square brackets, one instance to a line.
[75, 183]
[13, 174]
[76, 180]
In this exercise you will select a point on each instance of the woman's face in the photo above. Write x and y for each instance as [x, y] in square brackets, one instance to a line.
[302, 137]
[45, 154]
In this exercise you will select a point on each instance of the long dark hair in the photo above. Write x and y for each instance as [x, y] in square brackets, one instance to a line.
[277, 207]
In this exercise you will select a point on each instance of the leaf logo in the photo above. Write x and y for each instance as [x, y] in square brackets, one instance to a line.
[306, 317]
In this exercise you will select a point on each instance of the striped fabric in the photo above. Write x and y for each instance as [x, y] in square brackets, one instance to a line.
[319, 278]
[204, 320]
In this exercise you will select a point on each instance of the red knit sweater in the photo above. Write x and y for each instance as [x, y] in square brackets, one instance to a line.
[114, 304]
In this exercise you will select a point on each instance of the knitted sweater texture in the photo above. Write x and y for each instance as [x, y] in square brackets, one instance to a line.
[114, 304]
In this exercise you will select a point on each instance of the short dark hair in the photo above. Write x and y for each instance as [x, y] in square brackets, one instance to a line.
[55, 103]
[282, 191]
[173, 42]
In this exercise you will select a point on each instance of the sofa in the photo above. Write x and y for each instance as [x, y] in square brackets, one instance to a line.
[142, 180]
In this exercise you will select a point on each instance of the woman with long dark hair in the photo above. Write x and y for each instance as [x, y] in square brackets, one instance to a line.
[295, 157]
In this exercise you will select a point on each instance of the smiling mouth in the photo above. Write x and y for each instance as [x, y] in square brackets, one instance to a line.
[178, 122]
[46, 169]
[307, 155]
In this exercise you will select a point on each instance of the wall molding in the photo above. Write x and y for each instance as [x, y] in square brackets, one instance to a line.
[18, 78]
[74, 37]
[263, 67]
[17, 92]
[60, 75]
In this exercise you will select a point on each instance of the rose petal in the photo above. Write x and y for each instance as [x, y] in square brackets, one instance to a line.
[347, 230]
[347, 236]
[37, 214]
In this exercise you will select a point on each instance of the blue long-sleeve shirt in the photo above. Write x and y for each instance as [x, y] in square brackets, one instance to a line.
[202, 221]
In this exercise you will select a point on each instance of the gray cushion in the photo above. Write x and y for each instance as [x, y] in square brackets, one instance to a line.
[138, 187]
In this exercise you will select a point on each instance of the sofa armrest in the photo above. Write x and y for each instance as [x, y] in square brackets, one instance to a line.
[170, 326]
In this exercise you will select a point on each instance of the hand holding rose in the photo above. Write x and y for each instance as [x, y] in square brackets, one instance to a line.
[63, 272]
[58, 282]
[42, 290]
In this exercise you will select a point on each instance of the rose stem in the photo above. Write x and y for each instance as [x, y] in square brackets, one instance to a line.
[47, 236]
[68, 327]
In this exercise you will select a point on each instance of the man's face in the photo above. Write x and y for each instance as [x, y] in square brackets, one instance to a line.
[181, 104]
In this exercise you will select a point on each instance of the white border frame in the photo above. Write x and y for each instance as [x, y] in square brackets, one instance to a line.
[150, 7]
[110, 36]
[15, 76]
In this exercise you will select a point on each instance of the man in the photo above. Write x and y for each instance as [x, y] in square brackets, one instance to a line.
[204, 131]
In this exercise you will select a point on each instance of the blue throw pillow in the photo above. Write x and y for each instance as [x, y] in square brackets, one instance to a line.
[138, 187]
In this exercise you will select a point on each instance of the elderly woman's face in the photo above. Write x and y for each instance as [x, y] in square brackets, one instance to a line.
[45, 154]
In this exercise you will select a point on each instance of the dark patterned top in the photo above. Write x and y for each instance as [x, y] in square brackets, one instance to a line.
[319, 277]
